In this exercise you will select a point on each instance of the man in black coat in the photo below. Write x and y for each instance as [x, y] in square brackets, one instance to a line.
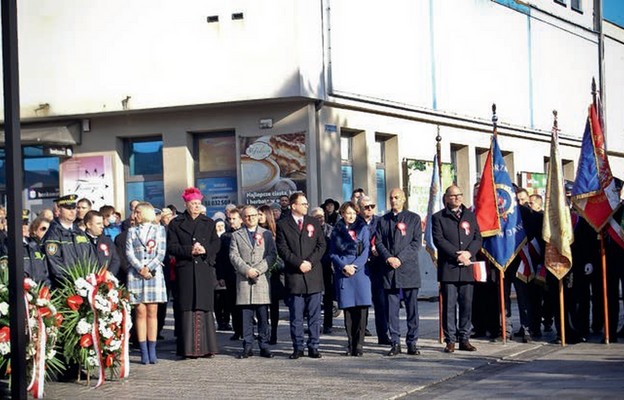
[103, 246]
[300, 243]
[456, 236]
[66, 246]
[399, 239]
[193, 241]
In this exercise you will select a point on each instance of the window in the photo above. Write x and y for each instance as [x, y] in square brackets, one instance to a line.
[144, 171]
[346, 151]
[561, 2]
[576, 5]
[215, 169]
[379, 157]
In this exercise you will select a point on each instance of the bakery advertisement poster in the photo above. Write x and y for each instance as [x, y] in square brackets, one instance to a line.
[272, 166]
[90, 177]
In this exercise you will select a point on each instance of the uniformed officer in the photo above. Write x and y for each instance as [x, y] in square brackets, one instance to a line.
[64, 245]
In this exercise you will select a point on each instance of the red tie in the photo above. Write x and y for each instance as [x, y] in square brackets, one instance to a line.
[300, 224]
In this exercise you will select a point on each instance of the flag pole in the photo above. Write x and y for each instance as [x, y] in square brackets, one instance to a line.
[439, 161]
[603, 258]
[561, 313]
[501, 280]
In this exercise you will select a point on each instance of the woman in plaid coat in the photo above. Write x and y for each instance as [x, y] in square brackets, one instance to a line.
[145, 251]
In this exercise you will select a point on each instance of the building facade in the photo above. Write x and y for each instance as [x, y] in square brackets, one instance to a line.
[252, 99]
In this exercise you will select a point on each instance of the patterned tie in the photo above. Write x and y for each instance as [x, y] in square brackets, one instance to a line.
[300, 224]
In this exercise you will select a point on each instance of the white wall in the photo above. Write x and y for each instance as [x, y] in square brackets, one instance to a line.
[85, 57]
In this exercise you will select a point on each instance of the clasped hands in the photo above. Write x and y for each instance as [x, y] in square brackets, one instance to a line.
[253, 273]
[198, 249]
[394, 262]
[145, 273]
[349, 270]
[463, 258]
[305, 267]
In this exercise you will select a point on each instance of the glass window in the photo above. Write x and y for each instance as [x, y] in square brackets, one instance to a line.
[347, 181]
[345, 149]
[144, 172]
[378, 154]
[145, 157]
[576, 5]
[215, 169]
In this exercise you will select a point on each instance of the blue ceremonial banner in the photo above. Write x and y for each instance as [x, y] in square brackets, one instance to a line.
[501, 248]
[436, 203]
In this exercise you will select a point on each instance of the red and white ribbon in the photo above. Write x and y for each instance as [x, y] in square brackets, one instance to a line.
[38, 373]
[125, 347]
[95, 332]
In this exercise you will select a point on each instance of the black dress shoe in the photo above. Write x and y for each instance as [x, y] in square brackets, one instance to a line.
[273, 340]
[327, 331]
[358, 353]
[394, 350]
[413, 350]
[367, 332]
[314, 353]
[266, 353]
[466, 346]
[384, 341]
[245, 354]
[296, 354]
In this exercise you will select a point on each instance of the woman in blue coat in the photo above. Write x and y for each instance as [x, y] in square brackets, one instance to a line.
[348, 249]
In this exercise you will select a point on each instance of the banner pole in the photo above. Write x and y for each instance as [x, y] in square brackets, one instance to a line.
[439, 161]
[561, 313]
[603, 258]
[501, 289]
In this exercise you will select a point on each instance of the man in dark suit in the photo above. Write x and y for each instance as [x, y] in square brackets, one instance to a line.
[456, 236]
[103, 245]
[301, 244]
[399, 237]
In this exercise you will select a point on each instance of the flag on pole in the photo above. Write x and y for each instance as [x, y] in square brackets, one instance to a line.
[486, 201]
[557, 229]
[500, 247]
[594, 194]
[436, 203]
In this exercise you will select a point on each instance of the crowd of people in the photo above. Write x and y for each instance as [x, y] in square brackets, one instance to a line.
[231, 270]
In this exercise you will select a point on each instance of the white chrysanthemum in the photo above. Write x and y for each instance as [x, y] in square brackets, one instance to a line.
[4, 308]
[30, 282]
[115, 345]
[102, 303]
[5, 348]
[116, 317]
[42, 302]
[29, 297]
[32, 323]
[93, 361]
[105, 331]
[113, 296]
[83, 327]
[82, 287]
[51, 354]
[91, 352]
[113, 279]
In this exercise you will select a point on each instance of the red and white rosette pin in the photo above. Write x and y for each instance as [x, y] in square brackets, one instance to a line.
[402, 227]
[151, 244]
[352, 234]
[310, 229]
[104, 249]
[258, 238]
[465, 225]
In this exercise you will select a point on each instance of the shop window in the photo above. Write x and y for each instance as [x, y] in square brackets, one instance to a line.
[144, 171]
[40, 177]
[215, 169]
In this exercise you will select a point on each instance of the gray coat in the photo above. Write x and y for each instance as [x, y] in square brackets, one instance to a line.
[245, 255]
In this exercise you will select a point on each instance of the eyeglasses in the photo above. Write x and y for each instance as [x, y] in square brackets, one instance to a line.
[369, 207]
[251, 215]
[455, 196]
[43, 228]
[303, 204]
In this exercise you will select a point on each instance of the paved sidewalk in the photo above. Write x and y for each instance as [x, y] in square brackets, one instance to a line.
[514, 369]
